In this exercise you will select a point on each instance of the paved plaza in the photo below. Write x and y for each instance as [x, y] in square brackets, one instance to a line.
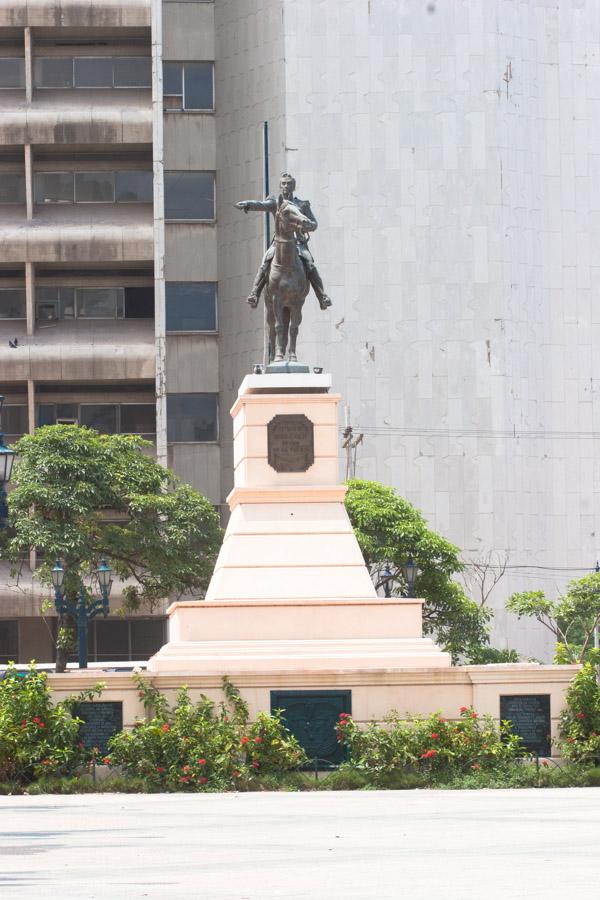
[464, 845]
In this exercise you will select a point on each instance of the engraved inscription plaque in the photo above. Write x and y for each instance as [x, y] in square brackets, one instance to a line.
[291, 443]
[100, 721]
[529, 715]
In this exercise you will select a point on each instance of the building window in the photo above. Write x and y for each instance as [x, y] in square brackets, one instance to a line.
[12, 188]
[12, 303]
[130, 639]
[128, 186]
[93, 72]
[192, 418]
[9, 641]
[14, 422]
[12, 72]
[54, 303]
[107, 418]
[190, 195]
[191, 305]
[188, 86]
[134, 186]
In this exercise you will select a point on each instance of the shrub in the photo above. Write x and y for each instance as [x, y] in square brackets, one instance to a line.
[199, 746]
[37, 737]
[580, 719]
[431, 745]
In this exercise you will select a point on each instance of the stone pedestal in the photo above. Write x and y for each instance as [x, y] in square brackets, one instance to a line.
[290, 591]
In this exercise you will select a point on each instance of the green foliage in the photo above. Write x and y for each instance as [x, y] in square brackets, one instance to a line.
[571, 618]
[198, 746]
[388, 528]
[81, 495]
[431, 745]
[484, 656]
[580, 718]
[37, 737]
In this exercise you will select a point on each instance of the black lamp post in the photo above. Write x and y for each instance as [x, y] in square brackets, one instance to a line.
[387, 577]
[7, 457]
[81, 611]
[410, 571]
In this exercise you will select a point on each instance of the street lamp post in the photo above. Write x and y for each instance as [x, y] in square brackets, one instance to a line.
[7, 458]
[81, 611]
[387, 578]
[410, 570]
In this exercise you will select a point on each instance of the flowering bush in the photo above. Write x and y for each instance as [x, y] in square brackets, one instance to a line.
[201, 746]
[580, 719]
[432, 744]
[37, 737]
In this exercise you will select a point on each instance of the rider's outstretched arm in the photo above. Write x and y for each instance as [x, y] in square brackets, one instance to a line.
[268, 205]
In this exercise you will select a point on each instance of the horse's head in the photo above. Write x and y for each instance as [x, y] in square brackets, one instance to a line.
[289, 219]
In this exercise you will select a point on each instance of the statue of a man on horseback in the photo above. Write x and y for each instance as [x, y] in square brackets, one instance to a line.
[287, 186]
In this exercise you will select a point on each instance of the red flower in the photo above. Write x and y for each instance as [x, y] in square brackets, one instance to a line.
[166, 727]
[244, 740]
[428, 754]
[42, 724]
[106, 760]
[475, 766]
[474, 715]
[45, 762]
[203, 780]
[435, 736]
[258, 740]
[81, 745]
[184, 779]
[256, 764]
[160, 769]
[201, 762]
[36, 719]
[185, 769]
[235, 773]
[226, 718]
[580, 715]
[23, 723]
[545, 763]
[140, 693]
[464, 709]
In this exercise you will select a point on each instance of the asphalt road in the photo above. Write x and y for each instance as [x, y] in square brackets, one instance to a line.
[418, 845]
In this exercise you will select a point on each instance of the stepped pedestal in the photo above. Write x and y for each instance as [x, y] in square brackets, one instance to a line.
[290, 592]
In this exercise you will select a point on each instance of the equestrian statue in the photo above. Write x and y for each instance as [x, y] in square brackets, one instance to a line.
[287, 269]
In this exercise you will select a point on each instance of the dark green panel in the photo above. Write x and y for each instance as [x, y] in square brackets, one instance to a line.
[311, 716]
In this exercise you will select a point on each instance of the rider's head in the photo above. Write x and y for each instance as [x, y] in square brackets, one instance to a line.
[287, 185]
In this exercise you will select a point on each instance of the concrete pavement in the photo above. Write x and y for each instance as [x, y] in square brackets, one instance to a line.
[418, 845]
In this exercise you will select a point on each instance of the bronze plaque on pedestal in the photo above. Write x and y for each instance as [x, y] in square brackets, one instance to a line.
[291, 443]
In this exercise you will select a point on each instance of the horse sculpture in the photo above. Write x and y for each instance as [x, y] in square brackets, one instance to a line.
[287, 286]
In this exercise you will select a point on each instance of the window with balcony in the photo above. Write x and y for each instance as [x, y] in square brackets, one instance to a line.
[14, 422]
[190, 196]
[191, 305]
[9, 641]
[107, 418]
[12, 303]
[12, 188]
[192, 418]
[127, 186]
[55, 303]
[188, 86]
[93, 72]
[12, 72]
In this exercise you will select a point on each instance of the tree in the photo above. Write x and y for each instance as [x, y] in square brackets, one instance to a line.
[388, 529]
[571, 618]
[81, 496]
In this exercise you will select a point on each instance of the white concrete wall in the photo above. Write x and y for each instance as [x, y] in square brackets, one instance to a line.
[451, 153]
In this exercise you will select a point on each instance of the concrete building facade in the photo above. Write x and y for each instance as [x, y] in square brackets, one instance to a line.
[450, 153]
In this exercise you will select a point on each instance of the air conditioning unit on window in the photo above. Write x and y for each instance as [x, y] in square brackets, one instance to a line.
[47, 311]
[67, 422]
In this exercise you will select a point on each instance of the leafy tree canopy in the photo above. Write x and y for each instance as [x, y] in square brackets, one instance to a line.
[388, 529]
[571, 618]
[81, 495]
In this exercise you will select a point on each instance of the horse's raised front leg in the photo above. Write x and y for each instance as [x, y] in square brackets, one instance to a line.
[296, 318]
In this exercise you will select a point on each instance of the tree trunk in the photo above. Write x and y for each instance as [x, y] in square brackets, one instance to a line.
[61, 651]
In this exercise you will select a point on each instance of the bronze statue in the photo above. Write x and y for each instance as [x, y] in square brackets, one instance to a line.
[287, 267]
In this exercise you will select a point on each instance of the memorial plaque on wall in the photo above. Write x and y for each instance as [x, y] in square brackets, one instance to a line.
[529, 715]
[100, 721]
[291, 443]
[311, 716]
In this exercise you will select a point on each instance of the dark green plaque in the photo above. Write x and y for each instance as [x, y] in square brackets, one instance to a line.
[100, 721]
[311, 716]
[291, 443]
[529, 715]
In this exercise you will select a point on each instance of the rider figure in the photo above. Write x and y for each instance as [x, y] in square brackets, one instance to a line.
[287, 186]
